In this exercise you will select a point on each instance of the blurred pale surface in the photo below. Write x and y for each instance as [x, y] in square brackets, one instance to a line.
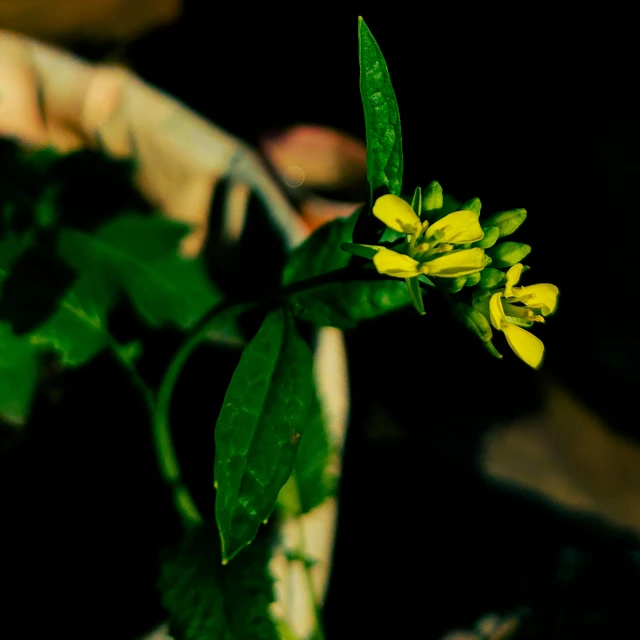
[65, 20]
[570, 457]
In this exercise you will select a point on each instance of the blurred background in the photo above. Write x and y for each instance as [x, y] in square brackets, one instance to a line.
[498, 491]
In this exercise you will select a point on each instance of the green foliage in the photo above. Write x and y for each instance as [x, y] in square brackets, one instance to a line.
[66, 264]
[356, 296]
[345, 304]
[18, 375]
[270, 401]
[317, 254]
[138, 255]
[381, 116]
[209, 601]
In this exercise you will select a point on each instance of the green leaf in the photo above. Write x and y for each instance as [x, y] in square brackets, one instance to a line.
[18, 375]
[269, 402]
[78, 329]
[345, 304]
[311, 473]
[382, 118]
[321, 252]
[208, 601]
[140, 255]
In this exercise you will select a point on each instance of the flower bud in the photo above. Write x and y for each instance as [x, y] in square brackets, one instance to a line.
[491, 235]
[491, 278]
[508, 253]
[506, 221]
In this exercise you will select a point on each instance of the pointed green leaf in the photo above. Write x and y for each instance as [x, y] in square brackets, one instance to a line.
[269, 402]
[207, 601]
[382, 118]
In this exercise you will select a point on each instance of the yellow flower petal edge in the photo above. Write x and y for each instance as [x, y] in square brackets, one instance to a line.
[539, 296]
[513, 277]
[395, 264]
[452, 265]
[458, 227]
[525, 345]
[496, 312]
[397, 214]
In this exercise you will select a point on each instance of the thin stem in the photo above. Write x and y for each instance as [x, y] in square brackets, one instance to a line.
[169, 468]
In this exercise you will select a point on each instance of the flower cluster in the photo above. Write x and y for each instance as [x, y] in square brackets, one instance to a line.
[456, 250]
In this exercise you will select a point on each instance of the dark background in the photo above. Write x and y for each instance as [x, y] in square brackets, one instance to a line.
[519, 111]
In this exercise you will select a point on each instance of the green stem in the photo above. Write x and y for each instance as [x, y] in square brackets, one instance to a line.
[169, 468]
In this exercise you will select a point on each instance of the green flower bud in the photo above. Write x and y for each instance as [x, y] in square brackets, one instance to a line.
[491, 278]
[487, 260]
[433, 197]
[506, 221]
[455, 284]
[473, 279]
[472, 205]
[473, 320]
[506, 254]
[491, 235]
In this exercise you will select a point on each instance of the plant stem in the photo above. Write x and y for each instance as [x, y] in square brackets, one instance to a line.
[167, 460]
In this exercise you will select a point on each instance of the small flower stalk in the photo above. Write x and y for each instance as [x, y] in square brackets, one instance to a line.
[452, 250]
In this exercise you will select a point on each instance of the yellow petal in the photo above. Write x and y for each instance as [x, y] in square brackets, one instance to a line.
[458, 227]
[539, 296]
[513, 276]
[395, 264]
[525, 345]
[496, 312]
[452, 265]
[397, 214]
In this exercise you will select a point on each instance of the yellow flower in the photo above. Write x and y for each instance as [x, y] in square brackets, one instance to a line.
[515, 308]
[428, 249]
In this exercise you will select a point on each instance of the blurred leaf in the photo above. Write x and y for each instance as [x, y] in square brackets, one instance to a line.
[208, 601]
[382, 118]
[269, 402]
[77, 331]
[321, 251]
[345, 304]
[18, 375]
[140, 255]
